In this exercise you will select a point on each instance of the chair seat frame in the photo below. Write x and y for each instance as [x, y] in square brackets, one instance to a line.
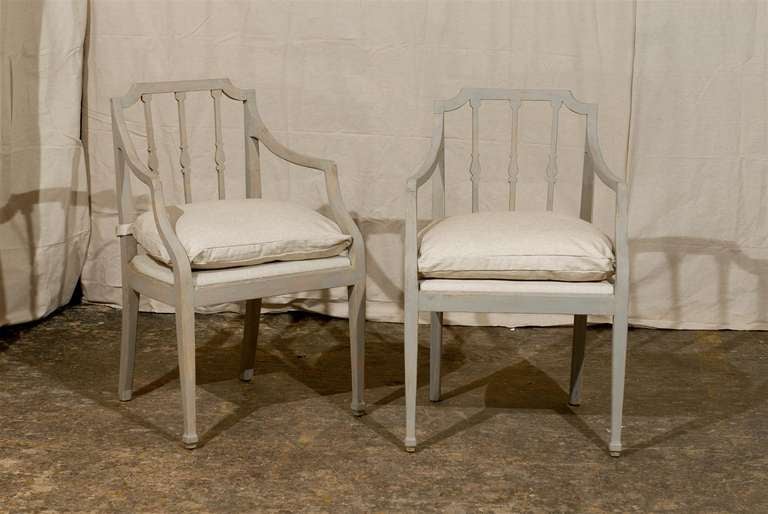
[580, 305]
[183, 294]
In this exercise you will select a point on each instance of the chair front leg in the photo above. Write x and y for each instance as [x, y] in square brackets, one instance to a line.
[411, 367]
[577, 358]
[250, 338]
[435, 354]
[619, 360]
[185, 337]
[356, 299]
[128, 342]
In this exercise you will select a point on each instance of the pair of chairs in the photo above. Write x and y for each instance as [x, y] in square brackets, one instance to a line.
[227, 250]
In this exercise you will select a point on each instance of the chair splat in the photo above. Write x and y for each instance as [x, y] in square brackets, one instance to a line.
[152, 162]
[219, 156]
[513, 169]
[184, 159]
[474, 167]
[552, 163]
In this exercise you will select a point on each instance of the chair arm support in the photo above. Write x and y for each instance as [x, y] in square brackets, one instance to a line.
[167, 232]
[621, 241]
[146, 175]
[343, 219]
[179, 258]
[176, 251]
[125, 145]
[428, 166]
[411, 244]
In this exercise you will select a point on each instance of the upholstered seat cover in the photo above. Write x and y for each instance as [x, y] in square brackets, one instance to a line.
[516, 246]
[228, 233]
[201, 278]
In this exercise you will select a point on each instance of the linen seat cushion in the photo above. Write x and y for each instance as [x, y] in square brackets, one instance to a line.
[515, 246]
[225, 276]
[227, 233]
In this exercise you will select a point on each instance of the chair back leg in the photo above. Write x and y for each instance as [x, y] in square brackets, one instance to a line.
[619, 359]
[185, 337]
[250, 338]
[128, 343]
[435, 354]
[577, 358]
[356, 299]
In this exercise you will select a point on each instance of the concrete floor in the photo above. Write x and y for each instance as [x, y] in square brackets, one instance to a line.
[503, 439]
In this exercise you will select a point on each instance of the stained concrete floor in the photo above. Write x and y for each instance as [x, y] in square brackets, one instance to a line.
[503, 439]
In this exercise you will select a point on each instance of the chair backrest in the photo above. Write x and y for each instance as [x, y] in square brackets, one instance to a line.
[144, 92]
[476, 96]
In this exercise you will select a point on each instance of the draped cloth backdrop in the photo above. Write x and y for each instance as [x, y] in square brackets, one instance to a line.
[682, 89]
[44, 223]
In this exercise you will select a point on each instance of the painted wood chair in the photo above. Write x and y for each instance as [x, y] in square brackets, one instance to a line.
[504, 285]
[182, 284]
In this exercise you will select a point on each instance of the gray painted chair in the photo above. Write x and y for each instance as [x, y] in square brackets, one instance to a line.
[183, 286]
[515, 296]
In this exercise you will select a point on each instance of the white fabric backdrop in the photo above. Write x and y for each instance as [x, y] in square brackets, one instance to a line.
[44, 222]
[354, 81]
[699, 166]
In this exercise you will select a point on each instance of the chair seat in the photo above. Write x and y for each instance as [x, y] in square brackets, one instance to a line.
[243, 232]
[515, 246]
[150, 267]
[536, 287]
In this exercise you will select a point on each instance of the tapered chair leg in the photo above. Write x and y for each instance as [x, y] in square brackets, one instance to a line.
[128, 343]
[619, 359]
[250, 338]
[185, 337]
[435, 354]
[356, 298]
[577, 358]
[411, 368]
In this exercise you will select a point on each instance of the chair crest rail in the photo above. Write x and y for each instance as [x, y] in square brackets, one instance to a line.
[557, 98]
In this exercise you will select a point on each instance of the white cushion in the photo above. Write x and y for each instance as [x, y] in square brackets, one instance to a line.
[227, 233]
[148, 266]
[515, 246]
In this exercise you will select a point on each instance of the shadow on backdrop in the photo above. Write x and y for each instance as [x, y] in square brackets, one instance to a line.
[726, 254]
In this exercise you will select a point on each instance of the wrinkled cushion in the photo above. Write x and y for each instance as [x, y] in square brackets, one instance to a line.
[515, 246]
[228, 233]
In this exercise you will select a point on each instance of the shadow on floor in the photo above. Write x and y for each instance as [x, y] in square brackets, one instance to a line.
[686, 376]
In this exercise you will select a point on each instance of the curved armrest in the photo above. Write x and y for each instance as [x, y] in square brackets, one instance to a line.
[123, 140]
[601, 168]
[593, 149]
[427, 168]
[285, 153]
[179, 257]
[177, 252]
[619, 186]
[258, 130]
